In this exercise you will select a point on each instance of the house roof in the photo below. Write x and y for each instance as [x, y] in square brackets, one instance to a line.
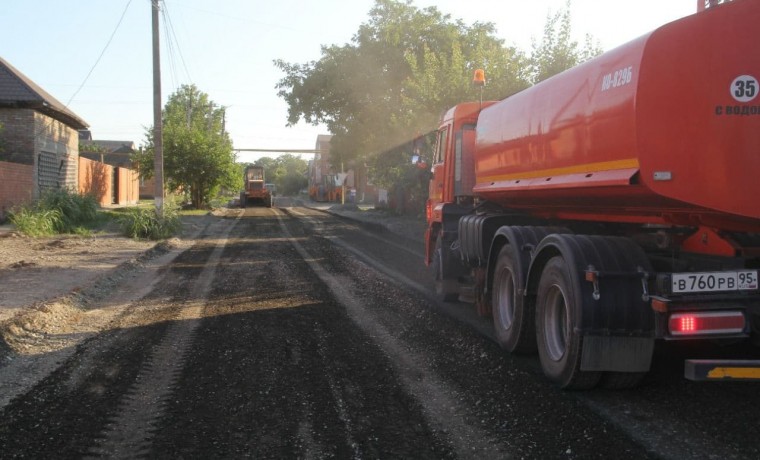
[17, 90]
[127, 147]
[323, 141]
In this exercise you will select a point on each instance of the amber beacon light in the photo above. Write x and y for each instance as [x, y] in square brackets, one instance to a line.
[479, 78]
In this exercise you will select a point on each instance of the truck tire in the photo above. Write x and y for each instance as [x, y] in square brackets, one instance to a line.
[557, 315]
[513, 324]
[445, 289]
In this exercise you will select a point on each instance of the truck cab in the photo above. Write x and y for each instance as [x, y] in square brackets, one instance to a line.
[450, 192]
[254, 190]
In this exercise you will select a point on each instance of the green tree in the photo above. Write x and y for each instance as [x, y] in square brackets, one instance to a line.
[291, 176]
[557, 50]
[198, 155]
[287, 172]
[403, 68]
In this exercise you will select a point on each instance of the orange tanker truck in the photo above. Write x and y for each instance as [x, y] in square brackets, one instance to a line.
[613, 205]
[255, 190]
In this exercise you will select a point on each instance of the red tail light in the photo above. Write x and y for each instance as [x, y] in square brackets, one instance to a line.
[685, 324]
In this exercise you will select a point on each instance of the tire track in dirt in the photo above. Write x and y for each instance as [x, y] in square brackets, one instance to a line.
[440, 403]
[130, 431]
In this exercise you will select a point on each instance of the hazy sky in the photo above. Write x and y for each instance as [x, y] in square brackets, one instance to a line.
[226, 48]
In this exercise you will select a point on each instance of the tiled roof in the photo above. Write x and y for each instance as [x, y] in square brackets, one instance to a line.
[16, 89]
[113, 146]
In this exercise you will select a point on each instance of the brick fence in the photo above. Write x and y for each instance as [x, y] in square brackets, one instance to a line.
[96, 178]
[129, 186]
[16, 186]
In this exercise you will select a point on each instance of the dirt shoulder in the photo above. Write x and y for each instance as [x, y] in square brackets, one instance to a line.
[44, 279]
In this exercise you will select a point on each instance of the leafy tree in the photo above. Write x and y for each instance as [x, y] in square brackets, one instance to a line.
[287, 172]
[557, 51]
[404, 67]
[198, 156]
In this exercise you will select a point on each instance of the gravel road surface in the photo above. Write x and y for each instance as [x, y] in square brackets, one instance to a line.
[291, 333]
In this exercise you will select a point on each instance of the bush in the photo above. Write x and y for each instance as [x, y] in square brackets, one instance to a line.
[76, 210]
[149, 223]
[57, 211]
[35, 222]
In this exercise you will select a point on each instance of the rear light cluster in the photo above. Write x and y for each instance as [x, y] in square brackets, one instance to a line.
[706, 323]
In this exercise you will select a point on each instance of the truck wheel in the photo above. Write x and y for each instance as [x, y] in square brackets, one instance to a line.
[559, 344]
[513, 324]
[445, 289]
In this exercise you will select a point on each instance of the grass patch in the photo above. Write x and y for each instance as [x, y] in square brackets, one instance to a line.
[57, 211]
[143, 222]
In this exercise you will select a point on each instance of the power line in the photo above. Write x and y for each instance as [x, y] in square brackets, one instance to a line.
[47, 124]
[110, 39]
[172, 42]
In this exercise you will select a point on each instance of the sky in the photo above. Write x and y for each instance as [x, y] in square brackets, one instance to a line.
[76, 52]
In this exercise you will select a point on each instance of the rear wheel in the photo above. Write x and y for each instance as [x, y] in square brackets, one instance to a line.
[557, 317]
[513, 324]
[445, 289]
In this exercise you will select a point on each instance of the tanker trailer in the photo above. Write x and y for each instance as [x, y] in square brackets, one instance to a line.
[612, 205]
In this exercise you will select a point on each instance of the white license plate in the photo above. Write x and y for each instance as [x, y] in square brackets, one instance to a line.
[743, 280]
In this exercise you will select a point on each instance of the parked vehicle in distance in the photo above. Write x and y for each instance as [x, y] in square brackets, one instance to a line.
[255, 191]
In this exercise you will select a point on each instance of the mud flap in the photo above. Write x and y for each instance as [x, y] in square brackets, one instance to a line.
[616, 354]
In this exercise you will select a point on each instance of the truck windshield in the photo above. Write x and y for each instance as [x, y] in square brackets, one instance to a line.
[255, 174]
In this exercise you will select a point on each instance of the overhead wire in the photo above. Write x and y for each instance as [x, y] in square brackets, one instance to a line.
[97, 61]
[48, 123]
[172, 43]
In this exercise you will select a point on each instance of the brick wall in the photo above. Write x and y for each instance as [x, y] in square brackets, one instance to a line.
[95, 178]
[32, 138]
[56, 153]
[16, 186]
[148, 188]
[17, 135]
[129, 186]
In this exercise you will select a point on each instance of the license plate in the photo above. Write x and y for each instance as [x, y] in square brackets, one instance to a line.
[744, 280]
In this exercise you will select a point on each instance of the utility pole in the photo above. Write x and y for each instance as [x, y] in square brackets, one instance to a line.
[343, 184]
[158, 142]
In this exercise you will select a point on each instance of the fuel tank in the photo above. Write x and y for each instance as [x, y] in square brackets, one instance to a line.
[664, 129]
